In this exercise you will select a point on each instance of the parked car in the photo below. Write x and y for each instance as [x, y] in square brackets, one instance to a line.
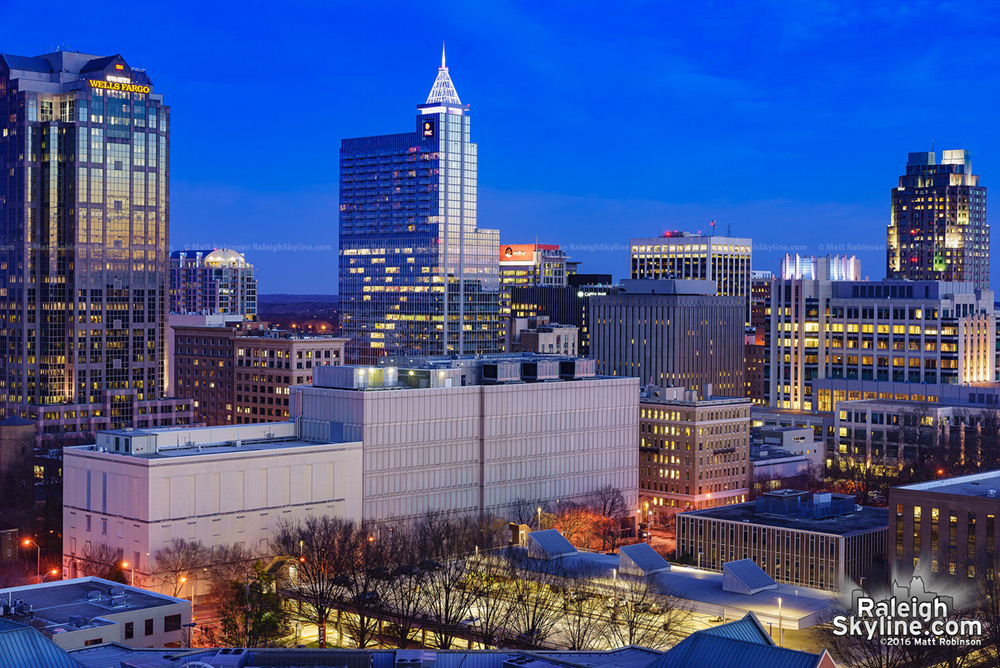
[366, 598]
[380, 573]
[408, 569]
[430, 565]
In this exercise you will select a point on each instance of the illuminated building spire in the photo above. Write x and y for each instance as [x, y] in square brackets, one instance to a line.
[443, 90]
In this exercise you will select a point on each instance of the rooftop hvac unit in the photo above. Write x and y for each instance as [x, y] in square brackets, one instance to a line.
[540, 369]
[502, 371]
[577, 367]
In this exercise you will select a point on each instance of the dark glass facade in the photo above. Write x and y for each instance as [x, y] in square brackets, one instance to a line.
[84, 201]
[938, 230]
[416, 276]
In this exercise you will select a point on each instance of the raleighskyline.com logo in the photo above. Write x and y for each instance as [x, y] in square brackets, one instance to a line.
[910, 616]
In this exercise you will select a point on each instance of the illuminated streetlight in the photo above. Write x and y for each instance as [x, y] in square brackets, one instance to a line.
[54, 571]
[38, 564]
[125, 564]
[781, 635]
[539, 518]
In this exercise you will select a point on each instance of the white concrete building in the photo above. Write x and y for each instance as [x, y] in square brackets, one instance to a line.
[91, 611]
[136, 490]
[373, 443]
[475, 436]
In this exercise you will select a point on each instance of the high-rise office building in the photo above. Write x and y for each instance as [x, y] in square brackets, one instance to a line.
[938, 230]
[566, 306]
[84, 216]
[241, 372]
[724, 260]
[219, 281]
[903, 331]
[531, 265]
[417, 276]
[671, 333]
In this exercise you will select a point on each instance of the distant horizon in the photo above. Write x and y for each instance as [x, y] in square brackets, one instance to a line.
[787, 122]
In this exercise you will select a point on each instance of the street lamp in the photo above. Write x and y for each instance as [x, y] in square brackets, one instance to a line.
[125, 564]
[38, 564]
[781, 635]
[54, 571]
[539, 518]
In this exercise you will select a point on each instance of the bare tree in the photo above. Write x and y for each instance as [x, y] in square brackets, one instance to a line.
[322, 547]
[230, 563]
[584, 612]
[522, 511]
[446, 598]
[576, 523]
[179, 561]
[536, 596]
[367, 579]
[641, 617]
[103, 561]
[402, 591]
[491, 532]
[988, 611]
[609, 503]
[489, 577]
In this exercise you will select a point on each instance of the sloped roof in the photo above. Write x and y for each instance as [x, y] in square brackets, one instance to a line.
[15, 420]
[28, 64]
[644, 557]
[702, 650]
[749, 574]
[24, 647]
[99, 64]
[552, 543]
[747, 629]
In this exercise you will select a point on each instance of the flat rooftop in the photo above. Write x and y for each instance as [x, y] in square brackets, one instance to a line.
[218, 449]
[977, 484]
[866, 519]
[801, 607]
[55, 605]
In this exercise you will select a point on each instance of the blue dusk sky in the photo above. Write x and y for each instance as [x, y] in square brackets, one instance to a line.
[786, 121]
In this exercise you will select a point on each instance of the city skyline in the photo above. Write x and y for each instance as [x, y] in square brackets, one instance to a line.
[760, 118]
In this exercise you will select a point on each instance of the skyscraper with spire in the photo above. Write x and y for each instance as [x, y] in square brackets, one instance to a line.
[417, 276]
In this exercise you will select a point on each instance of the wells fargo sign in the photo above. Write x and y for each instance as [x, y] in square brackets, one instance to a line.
[114, 85]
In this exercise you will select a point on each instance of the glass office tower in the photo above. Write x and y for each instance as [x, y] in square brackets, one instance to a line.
[938, 230]
[417, 276]
[84, 154]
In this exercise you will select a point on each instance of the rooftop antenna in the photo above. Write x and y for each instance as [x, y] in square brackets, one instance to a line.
[713, 228]
[729, 229]
[443, 66]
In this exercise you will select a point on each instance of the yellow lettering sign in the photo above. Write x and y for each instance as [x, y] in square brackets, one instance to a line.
[114, 85]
